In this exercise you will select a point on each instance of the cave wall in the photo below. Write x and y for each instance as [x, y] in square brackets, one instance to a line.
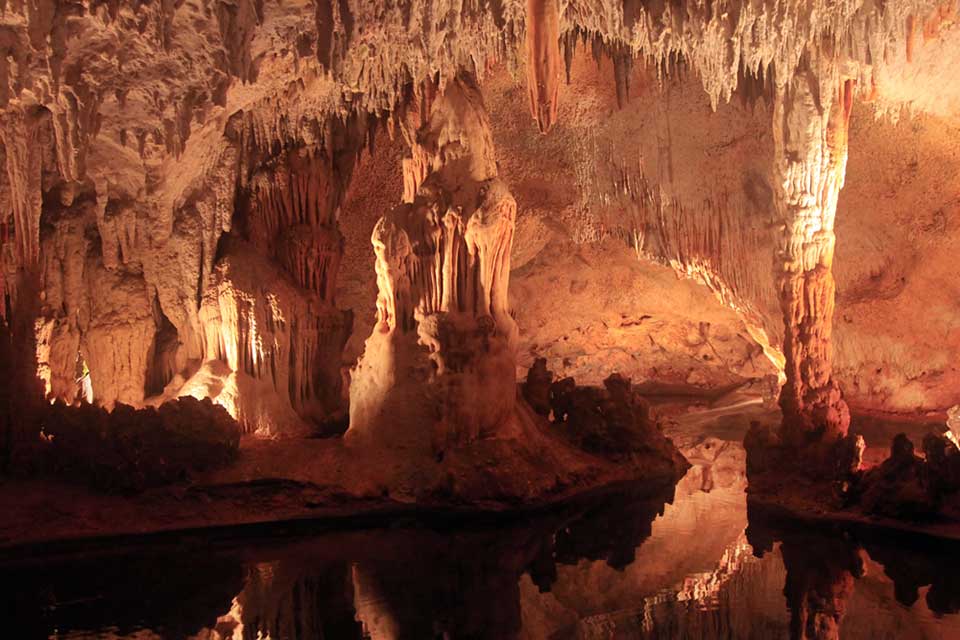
[898, 226]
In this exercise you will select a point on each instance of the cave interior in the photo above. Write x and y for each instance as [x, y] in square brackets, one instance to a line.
[480, 318]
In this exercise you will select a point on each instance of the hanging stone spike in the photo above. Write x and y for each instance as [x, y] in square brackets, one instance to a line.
[622, 66]
[543, 61]
[569, 49]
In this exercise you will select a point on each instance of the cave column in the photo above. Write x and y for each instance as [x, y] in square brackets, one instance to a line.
[810, 124]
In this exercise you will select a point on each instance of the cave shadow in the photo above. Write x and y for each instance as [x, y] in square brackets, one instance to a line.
[22, 393]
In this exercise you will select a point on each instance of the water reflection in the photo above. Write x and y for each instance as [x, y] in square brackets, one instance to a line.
[824, 565]
[413, 582]
[698, 562]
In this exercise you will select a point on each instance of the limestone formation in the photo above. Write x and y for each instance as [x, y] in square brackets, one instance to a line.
[440, 360]
[543, 61]
[280, 346]
[172, 216]
[810, 150]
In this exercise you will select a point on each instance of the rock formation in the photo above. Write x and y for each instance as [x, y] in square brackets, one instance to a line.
[174, 176]
[810, 151]
[543, 61]
[280, 345]
[441, 359]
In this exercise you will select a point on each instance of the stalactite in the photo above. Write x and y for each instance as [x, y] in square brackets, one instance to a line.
[414, 115]
[810, 140]
[238, 22]
[622, 68]
[569, 41]
[543, 61]
[23, 154]
[293, 216]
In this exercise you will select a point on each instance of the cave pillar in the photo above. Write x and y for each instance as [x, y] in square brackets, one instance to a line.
[543, 60]
[810, 125]
[440, 366]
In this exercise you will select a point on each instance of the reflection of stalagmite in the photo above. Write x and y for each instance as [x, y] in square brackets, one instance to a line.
[443, 351]
[543, 61]
[820, 581]
[821, 572]
[810, 138]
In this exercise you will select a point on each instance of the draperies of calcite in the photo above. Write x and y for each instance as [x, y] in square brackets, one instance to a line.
[268, 314]
[543, 61]
[810, 141]
[281, 346]
[20, 135]
[440, 364]
[293, 217]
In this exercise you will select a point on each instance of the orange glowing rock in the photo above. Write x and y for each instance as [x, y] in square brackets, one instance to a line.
[543, 61]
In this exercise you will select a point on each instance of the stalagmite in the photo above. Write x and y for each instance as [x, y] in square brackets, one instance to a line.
[543, 61]
[439, 367]
[811, 117]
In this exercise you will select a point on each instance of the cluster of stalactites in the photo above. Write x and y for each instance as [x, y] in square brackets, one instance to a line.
[435, 258]
[449, 137]
[447, 248]
[21, 138]
[293, 218]
[810, 140]
[267, 331]
[619, 52]
[721, 40]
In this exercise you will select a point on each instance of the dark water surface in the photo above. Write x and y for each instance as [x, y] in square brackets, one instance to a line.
[696, 563]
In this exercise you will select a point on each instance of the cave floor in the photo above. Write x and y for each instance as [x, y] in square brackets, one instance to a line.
[321, 479]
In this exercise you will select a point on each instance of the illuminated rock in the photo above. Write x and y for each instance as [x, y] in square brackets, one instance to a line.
[440, 363]
[810, 156]
[543, 61]
[281, 346]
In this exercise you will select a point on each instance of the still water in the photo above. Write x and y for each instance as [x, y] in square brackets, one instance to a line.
[697, 562]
